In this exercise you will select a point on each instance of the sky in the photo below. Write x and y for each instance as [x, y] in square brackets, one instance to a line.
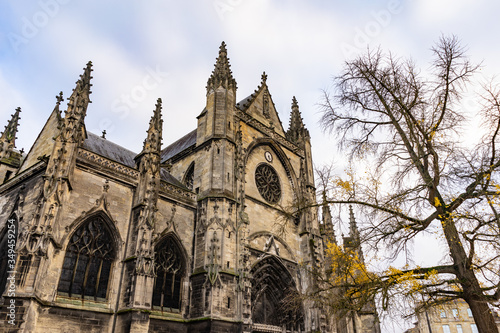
[145, 50]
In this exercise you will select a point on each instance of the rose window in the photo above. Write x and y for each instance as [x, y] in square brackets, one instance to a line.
[268, 183]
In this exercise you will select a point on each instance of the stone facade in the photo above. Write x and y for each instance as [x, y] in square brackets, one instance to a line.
[176, 239]
[451, 317]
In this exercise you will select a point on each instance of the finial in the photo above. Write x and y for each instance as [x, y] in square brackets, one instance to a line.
[103, 134]
[59, 98]
[264, 77]
[222, 49]
[294, 102]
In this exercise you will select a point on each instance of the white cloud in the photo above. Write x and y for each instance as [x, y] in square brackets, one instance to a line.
[298, 44]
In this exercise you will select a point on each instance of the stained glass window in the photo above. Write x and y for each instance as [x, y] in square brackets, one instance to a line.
[169, 274]
[87, 263]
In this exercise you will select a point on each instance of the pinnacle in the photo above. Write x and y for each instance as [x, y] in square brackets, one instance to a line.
[154, 136]
[221, 75]
[353, 228]
[73, 121]
[295, 117]
[9, 134]
[296, 129]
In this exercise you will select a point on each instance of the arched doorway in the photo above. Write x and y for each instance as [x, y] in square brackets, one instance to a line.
[275, 303]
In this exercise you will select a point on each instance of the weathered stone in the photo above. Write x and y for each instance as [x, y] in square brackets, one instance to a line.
[197, 252]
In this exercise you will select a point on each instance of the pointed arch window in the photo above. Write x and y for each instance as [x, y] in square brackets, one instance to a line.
[88, 260]
[170, 270]
[8, 240]
[189, 177]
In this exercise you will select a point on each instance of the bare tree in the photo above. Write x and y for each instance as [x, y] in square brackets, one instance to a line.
[412, 127]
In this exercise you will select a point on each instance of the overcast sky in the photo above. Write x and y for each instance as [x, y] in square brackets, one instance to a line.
[150, 49]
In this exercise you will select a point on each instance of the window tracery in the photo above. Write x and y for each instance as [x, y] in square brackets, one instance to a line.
[169, 273]
[268, 183]
[87, 262]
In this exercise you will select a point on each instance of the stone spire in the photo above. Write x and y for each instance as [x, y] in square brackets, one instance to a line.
[152, 144]
[353, 227]
[354, 241]
[8, 136]
[146, 197]
[73, 127]
[328, 229]
[221, 75]
[297, 132]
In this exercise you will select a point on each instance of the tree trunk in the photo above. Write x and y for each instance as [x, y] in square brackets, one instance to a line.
[471, 288]
[482, 316]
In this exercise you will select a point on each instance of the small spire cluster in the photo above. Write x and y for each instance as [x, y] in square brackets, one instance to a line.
[222, 75]
[297, 132]
[152, 144]
[8, 136]
[75, 114]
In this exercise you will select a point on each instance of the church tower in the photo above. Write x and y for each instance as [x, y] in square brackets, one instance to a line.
[214, 281]
[212, 233]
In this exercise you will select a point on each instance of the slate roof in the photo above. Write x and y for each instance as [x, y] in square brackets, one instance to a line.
[122, 155]
[178, 146]
[245, 103]
[109, 149]
[166, 176]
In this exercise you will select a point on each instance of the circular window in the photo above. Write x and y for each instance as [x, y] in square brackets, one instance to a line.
[268, 183]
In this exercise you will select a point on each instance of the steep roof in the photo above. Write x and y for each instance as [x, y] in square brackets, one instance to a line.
[178, 146]
[109, 149]
[166, 176]
[122, 155]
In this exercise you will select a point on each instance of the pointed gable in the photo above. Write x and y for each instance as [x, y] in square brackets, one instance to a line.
[260, 106]
[45, 141]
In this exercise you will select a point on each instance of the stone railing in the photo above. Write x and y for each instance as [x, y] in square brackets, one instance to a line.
[174, 190]
[266, 328]
[107, 163]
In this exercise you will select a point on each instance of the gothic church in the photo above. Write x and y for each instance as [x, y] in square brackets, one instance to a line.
[179, 238]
